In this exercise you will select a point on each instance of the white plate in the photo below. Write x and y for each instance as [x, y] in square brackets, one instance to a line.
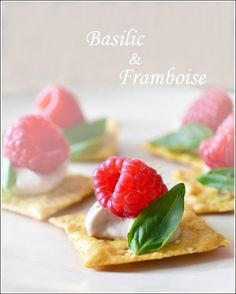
[38, 256]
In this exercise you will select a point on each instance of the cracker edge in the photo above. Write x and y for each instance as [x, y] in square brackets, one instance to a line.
[182, 157]
[197, 202]
[101, 249]
[40, 214]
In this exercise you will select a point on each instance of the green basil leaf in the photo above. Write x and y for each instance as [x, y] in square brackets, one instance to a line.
[85, 131]
[156, 224]
[187, 138]
[9, 178]
[221, 179]
[86, 147]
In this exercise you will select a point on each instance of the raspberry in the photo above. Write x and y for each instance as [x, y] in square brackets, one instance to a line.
[60, 106]
[210, 109]
[125, 186]
[35, 143]
[218, 151]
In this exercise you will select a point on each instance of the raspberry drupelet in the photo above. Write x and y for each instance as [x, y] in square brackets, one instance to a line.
[35, 143]
[125, 186]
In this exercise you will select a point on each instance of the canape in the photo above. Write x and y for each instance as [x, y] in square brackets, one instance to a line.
[198, 124]
[212, 190]
[35, 179]
[136, 218]
[89, 140]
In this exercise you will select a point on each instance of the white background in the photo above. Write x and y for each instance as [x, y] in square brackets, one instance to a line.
[46, 42]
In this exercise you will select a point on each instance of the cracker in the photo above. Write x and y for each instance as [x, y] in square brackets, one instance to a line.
[195, 237]
[108, 148]
[72, 190]
[186, 158]
[203, 199]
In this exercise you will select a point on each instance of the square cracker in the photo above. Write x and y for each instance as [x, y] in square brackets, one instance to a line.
[195, 237]
[108, 148]
[186, 158]
[203, 199]
[72, 189]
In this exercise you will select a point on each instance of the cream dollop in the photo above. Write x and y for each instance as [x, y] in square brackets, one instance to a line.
[206, 168]
[29, 182]
[101, 224]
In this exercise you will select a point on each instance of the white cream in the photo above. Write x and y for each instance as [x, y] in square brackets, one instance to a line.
[101, 224]
[29, 182]
[206, 168]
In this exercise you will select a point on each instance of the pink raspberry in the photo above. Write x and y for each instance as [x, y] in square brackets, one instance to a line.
[210, 109]
[35, 143]
[218, 151]
[125, 186]
[60, 106]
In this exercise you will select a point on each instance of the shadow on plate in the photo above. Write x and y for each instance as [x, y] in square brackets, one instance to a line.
[180, 262]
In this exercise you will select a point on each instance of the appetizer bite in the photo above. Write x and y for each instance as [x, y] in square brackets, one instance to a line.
[89, 140]
[135, 218]
[213, 191]
[35, 180]
[198, 124]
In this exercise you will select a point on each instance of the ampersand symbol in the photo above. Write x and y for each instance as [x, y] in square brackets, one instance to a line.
[135, 59]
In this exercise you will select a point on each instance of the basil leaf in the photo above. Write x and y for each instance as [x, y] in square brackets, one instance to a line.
[157, 223]
[187, 138]
[85, 147]
[221, 179]
[87, 130]
[9, 178]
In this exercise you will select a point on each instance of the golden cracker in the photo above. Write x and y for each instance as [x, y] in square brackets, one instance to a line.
[195, 237]
[108, 148]
[203, 199]
[186, 158]
[72, 189]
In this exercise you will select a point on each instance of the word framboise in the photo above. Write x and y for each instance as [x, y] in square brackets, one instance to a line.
[130, 76]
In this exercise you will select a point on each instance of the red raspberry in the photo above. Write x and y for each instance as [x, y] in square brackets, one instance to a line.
[35, 143]
[126, 186]
[60, 106]
[218, 151]
[210, 109]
